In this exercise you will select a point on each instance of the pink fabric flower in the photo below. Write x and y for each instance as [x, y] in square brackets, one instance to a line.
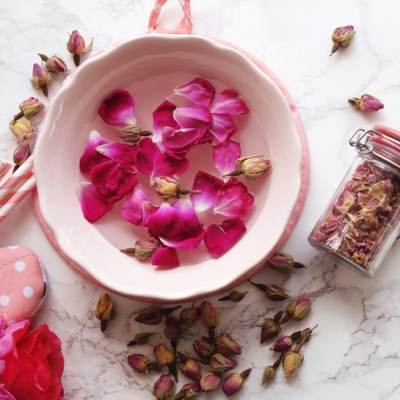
[118, 108]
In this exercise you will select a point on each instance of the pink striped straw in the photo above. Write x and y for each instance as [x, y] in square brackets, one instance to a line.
[5, 167]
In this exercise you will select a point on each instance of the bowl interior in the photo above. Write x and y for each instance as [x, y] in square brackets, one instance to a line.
[150, 67]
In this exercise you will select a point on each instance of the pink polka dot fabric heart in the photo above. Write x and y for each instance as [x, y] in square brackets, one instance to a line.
[22, 283]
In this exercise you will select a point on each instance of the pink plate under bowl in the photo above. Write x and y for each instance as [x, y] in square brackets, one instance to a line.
[150, 67]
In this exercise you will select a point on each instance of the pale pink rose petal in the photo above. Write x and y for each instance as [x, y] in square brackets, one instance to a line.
[91, 157]
[221, 238]
[222, 127]
[11, 335]
[113, 181]
[209, 185]
[165, 257]
[199, 91]
[118, 108]
[165, 165]
[225, 155]
[228, 102]
[233, 199]
[162, 118]
[93, 204]
[138, 208]
[121, 153]
[146, 154]
[193, 116]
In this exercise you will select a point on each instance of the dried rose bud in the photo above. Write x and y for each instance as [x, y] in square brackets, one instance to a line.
[172, 327]
[209, 317]
[191, 369]
[227, 346]
[145, 248]
[220, 363]
[140, 338]
[189, 315]
[210, 381]
[21, 153]
[203, 347]
[305, 334]
[268, 374]
[253, 166]
[104, 310]
[150, 315]
[163, 354]
[164, 387]
[298, 307]
[269, 329]
[167, 187]
[342, 37]
[54, 64]
[281, 261]
[283, 343]
[22, 129]
[188, 391]
[234, 296]
[275, 293]
[40, 78]
[291, 363]
[30, 107]
[139, 363]
[76, 46]
[234, 382]
[366, 103]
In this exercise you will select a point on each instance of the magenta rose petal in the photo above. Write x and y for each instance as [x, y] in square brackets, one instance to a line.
[225, 155]
[222, 127]
[165, 257]
[233, 199]
[193, 116]
[199, 91]
[93, 205]
[165, 165]
[118, 108]
[91, 157]
[228, 102]
[178, 142]
[163, 117]
[209, 186]
[121, 153]
[146, 154]
[221, 238]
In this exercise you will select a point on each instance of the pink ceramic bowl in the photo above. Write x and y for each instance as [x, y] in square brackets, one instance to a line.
[150, 67]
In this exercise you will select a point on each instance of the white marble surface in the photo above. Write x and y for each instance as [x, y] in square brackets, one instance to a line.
[355, 351]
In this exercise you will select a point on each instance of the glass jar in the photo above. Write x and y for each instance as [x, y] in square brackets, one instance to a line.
[361, 222]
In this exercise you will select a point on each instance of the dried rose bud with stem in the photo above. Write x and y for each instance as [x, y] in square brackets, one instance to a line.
[342, 37]
[270, 327]
[29, 108]
[283, 262]
[153, 315]
[297, 309]
[104, 310]
[272, 292]
[234, 296]
[270, 370]
[140, 338]
[54, 64]
[76, 46]
[233, 383]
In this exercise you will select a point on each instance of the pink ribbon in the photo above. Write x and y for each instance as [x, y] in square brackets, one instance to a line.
[184, 25]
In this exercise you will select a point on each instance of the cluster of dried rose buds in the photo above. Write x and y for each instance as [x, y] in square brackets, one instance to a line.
[218, 352]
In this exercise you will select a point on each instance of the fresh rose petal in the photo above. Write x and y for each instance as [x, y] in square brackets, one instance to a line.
[199, 91]
[91, 157]
[118, 108]
[193, 116]
[209, 185]
[233, 199]
[113, 181]
[138, 208]
[162, 118]
[177, 143]
[225, 155]
[165, 257]
[220, 238]
[93, 204]
[177, 226]
[223, 127]
[121, 153]
[165, 165]
[228, 102]
[146, 155]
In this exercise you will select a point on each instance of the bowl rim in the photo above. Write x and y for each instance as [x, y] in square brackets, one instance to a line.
[260, 68]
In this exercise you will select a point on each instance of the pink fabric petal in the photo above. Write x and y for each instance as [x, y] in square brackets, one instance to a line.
[209, 185]
[193, 116]
[93, 204]
[113, 181]
[118, 108]
[221, 238]
[225, 155]
[145, 156]
[233, 199]
[165, 257]
[223, 127]
[162, 118]
[228, 102]
[91, 157]
[199, 91]
[165, 165]
[121, 153]
[12, 335]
